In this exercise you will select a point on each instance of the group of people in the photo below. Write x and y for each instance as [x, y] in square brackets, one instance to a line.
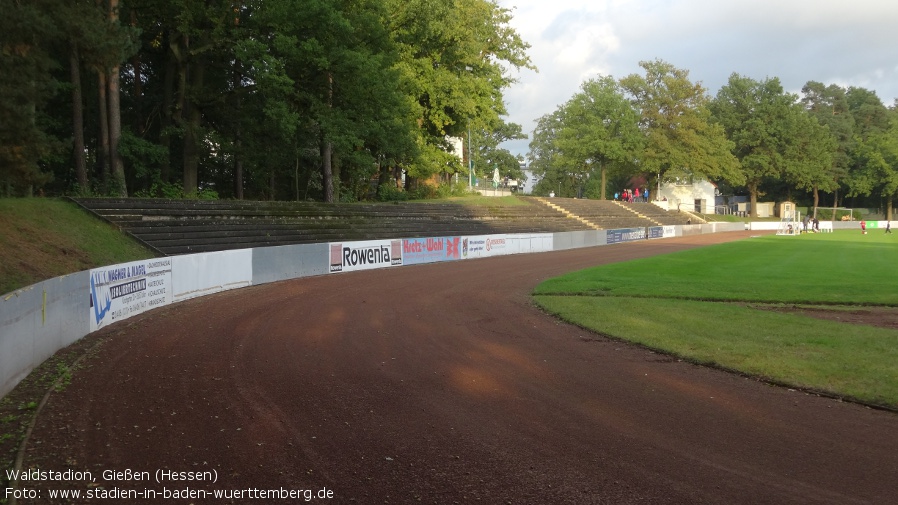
[634, 195]
[813, 222]
[864, 227]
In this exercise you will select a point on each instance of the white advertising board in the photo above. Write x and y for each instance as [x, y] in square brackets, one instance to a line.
[540, 242]
[352, 256]
[206, 273]
[120, 291]
[484, 246]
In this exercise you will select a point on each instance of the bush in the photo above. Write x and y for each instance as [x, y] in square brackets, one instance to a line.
[175, 192]
[390, 193]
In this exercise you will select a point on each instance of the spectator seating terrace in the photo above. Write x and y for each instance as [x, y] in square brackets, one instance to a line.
[188, 226]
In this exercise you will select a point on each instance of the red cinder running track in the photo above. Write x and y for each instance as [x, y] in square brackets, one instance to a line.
[443, 384]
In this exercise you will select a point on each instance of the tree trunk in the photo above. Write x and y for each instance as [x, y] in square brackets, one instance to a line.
[238, 169]
[191, 153]
[604, 173]
[192, 134]
[137, 89]
[816, 200]
[115, 118]
[753, 191]
[327, 170]
[115, 134]
[165, 121]
[835, 203]
[327, 150]
[238, 155]
[179, 45]
[889, 208]
[336, 176]
[384, 174]
[103, 154]
[78, 120]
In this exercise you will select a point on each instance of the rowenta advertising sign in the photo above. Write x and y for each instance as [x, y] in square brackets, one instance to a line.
[351, 256]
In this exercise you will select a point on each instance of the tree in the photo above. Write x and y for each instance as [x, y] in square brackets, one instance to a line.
[452, 58]
[829, 106]
[874, 150]
[600, 131]
[27, 84]
[681, 140]
[487, 152]
[545, 155]
[773, 136]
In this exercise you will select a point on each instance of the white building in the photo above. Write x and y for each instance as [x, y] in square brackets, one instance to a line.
[692, 195]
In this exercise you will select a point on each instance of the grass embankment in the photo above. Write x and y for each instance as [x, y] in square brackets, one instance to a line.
[705, 306]
[41, 238]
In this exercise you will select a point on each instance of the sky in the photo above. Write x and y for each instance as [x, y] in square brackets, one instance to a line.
[843, 42]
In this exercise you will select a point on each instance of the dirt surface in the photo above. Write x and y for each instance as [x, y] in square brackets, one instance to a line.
[443, 384]
[882, 317]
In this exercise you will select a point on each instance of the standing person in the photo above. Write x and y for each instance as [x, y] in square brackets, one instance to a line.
[615, 197]
[863, 227]
[888, 227]
[804, 223]
[636, 194]
[645, 194]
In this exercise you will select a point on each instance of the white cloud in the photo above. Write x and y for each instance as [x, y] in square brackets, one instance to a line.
[831, 41]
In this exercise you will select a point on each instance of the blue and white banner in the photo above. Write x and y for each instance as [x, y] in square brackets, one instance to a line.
[655, 232]
[416, 251]
[120, 291]
[626, 235]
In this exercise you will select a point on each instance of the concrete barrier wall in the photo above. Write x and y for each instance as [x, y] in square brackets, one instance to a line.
[206, 273]
[272, 264]
[37, 321]
[576, 239]
[41, 319]
[690, 229]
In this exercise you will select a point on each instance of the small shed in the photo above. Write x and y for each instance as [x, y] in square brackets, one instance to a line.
[786, 210]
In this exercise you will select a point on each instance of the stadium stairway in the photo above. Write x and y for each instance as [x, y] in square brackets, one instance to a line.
[609, 214]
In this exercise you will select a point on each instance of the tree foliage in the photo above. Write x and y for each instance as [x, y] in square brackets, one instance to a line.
[773, 137]
[681, 139]
[254, 98]
[315, 99]
[591, 135]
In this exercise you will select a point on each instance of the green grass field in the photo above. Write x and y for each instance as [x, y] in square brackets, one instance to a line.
[705, 305]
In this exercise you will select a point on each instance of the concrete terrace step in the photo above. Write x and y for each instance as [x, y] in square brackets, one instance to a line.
[181, 226]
